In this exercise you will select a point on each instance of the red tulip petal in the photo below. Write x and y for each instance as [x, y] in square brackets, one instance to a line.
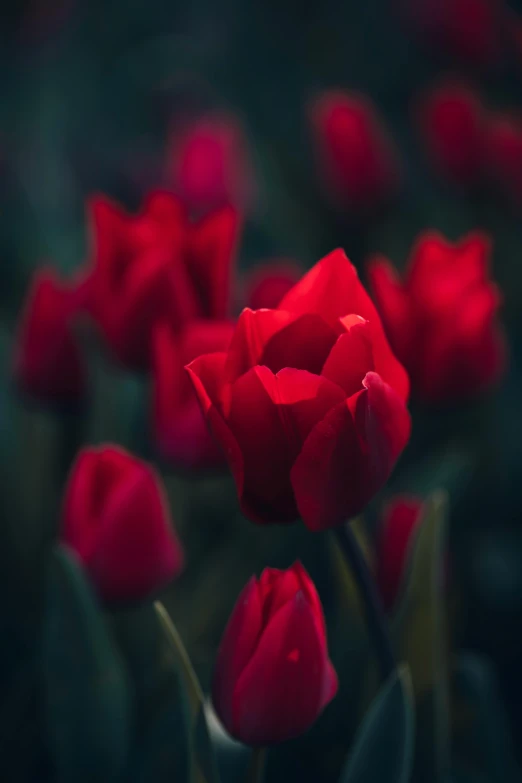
[165, 208]
[107, 223]
[330, 684]
[395, 538]
[236, 649]
[308, 588]
[326, 475]
[206, 374]
[393, 305]
[303, 345]
[47, 361]
[271, 415]
[136, 550]
[276, 588]
[345, 460]
[211, 255]
[328, 289]
[254, 329]
[279, 693]
[333, 289]
[383, 425]
[351, 357]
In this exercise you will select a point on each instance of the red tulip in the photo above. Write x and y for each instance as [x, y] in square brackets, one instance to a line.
[504, 155]
[453, 127]
[48, 364]
[157, 266]
[210, 164]
[441, 320]
[267, 284]
[305, 396]
[396, 534]
[117, 521]
[356, 157]
[468, 30]
[181, 432]
[273, 677]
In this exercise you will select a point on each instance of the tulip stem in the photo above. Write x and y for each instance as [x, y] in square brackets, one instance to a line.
[373, 608]
[257, 765]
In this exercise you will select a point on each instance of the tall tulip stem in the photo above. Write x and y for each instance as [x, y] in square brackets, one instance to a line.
[256, 767]
[375, 616]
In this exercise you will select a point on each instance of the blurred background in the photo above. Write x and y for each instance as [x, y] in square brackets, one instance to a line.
[121, 97]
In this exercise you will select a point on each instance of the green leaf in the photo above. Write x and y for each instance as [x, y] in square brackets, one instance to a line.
[164, 755]
[419, 635]
[87, 694]
[162, 742]
[205, 762]
[383, 746]
[481, 728]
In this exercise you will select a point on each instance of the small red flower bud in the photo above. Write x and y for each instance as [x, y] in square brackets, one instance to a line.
[47, 363]
[273, 677]
[116, 520]
[395, 537]
[357, 161]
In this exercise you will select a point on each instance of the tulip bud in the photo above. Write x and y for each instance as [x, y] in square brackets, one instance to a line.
[356, 158]
[395, 537]
[47, 363]
[452, 125]
[273, 677]
[210, 164]
[116, 520]
[266, 284]
[503, 155]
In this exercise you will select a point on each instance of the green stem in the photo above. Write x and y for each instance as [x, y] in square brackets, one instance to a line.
[375, 616]
[256, 767]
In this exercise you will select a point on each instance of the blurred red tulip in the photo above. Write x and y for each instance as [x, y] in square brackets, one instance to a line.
[357, 161]
[452, 122]
[116, 520]
[273, 677]
[468, 30]
[47, 362]
[442, 319]
[157, 266]
[210, 164]
[266, 284]
[503, 156]
[181, 431]
[304, 396]
[396, 534]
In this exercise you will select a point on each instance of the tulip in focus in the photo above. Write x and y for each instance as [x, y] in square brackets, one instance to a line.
[116, 520]
[356, 158]
[452, 123]
[396, 534]
[308, 402]
[210, 164]
[154, 266]
[441, 318]
[273, 677]
[266, 284]
[181, 432]
[47, 363]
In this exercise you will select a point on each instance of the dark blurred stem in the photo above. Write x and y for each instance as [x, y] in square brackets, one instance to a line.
[375, 616]
[257, 765]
